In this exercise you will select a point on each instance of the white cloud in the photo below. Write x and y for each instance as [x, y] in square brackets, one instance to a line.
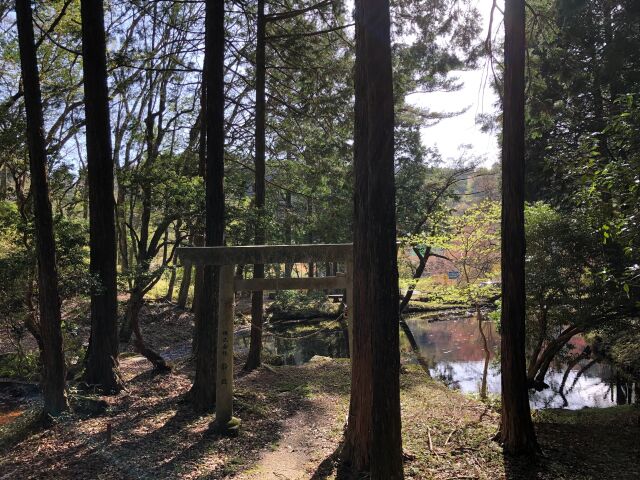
[476, 94]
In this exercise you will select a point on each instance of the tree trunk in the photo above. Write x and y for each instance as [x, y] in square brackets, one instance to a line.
[132, 320]
[172, 279]
[516, 431]
[53, 379]
[487, 354]
[583, 355]
[172, 283]
[288, 267]
[165, 247]
[583, 370]
[203, 391]
[621, 394]
[543, 362]
[485, 374]
[373, 438]
[197, 291]
[422, 259]
[185, 284]
[257, 300]
[3, 182]
[123, 250]
[310, 266]
[415, 348]
[531, 371]
[102, 361]
[198, 241]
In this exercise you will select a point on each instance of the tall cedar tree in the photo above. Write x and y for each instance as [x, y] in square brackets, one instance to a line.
[373, 439]
[203, 392]
[257, 300]
[102, 356]
[53, 379]
[516, 432]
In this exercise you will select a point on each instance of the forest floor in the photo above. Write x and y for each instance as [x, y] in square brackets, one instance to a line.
[292, 424]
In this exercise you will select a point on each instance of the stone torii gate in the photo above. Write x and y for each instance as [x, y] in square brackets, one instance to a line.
[227, 258]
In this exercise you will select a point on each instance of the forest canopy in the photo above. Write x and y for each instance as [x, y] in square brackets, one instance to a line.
[132, 131]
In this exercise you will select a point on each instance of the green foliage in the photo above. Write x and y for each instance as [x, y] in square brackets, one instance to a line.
[18, 286]
[564, 285]
[572, 98]
[583, 156]
[435, 293]
[298, 300]
[474, 248]
[624, 352]
[20, 365]
[72, 257]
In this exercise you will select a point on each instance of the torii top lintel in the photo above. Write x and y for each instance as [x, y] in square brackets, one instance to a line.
[260, 254]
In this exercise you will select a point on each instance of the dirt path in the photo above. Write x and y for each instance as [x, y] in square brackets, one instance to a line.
[309, 438]
[292, 422]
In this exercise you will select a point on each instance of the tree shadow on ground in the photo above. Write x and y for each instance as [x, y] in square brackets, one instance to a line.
[173, 440]
[585, 445]
[333, 467]
[329, 465]
[155, 433]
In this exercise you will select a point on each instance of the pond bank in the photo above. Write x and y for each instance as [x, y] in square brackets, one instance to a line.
[293, 418]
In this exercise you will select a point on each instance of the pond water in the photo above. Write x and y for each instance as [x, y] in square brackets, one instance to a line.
[326, 339]
[454, 351]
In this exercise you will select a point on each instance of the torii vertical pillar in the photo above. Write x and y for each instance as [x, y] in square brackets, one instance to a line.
[225, 423]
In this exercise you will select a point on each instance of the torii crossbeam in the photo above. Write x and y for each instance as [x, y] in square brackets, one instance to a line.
[227, 258]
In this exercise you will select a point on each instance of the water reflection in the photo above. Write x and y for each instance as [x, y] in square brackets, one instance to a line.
[454, 350]
[294, 348]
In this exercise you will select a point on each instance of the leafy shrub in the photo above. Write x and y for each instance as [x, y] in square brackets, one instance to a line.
[300, 302]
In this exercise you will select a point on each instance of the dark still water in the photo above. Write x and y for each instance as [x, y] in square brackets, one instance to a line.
[294, 347]
[455, 354]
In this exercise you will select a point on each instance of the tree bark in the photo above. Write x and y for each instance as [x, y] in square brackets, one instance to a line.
[257, 299]
[203, 391]
[583, 370]
[132, 319]
[540, 343]
[185, 284]
[415, 348]
[582, 356]
[198, 241]
[197, 289]
[541, 364]
[172, 283]
[310, 265]
[131, 326]
[288, 267]
[516, 431]
[121, 230]
[373, 438]
[53, 379]
[102, 360]
[487, 354]
[3, 182]
[422, 263]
